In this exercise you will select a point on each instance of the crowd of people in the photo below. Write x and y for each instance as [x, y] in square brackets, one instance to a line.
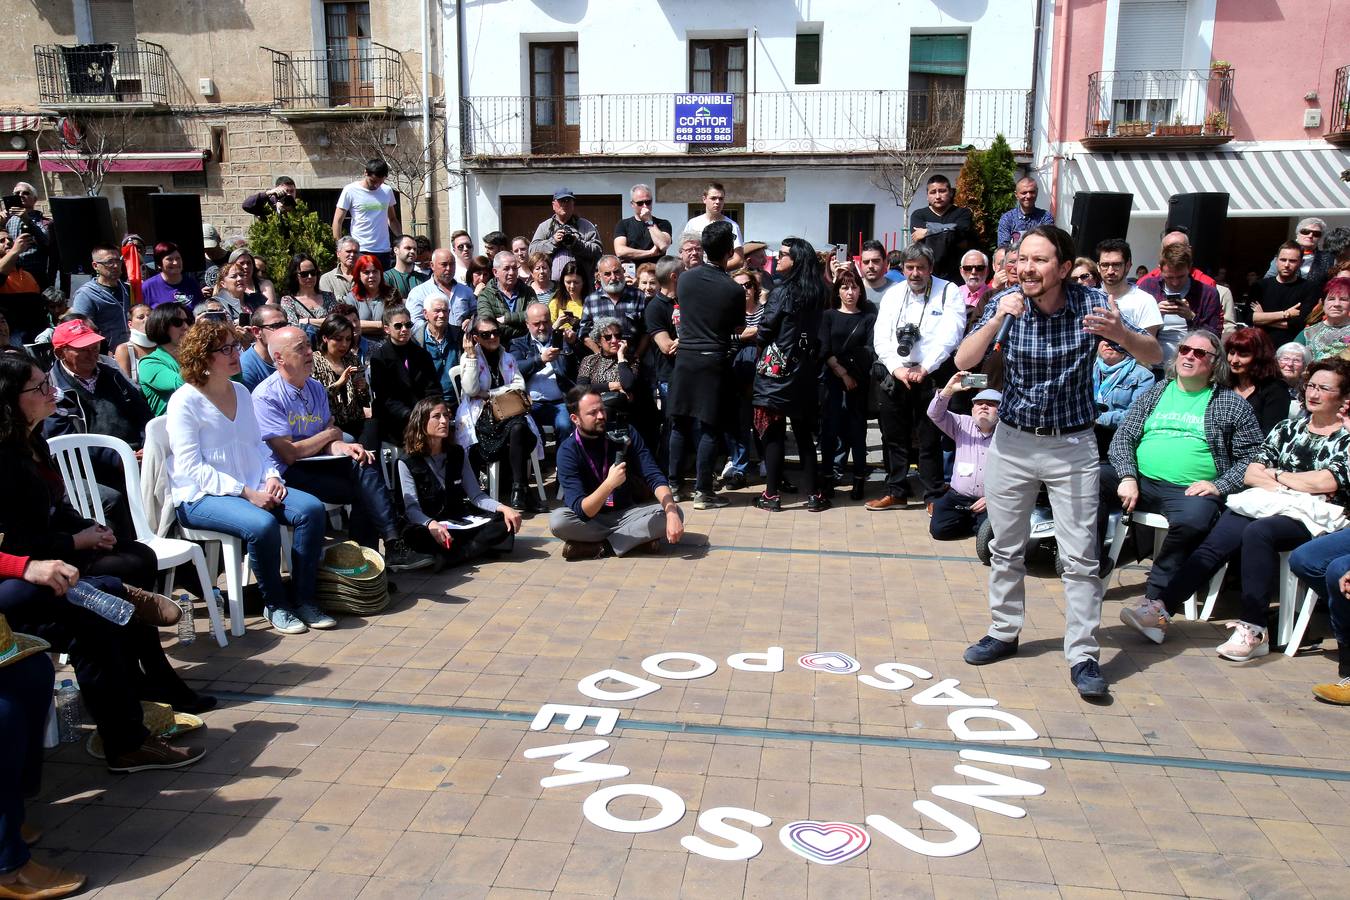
[654, 369]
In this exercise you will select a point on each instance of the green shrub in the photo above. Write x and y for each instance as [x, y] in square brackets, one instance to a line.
[1000, 179]
[276, 238]
[970, 194]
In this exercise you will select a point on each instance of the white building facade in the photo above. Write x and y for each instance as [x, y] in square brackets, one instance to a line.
[583, 96]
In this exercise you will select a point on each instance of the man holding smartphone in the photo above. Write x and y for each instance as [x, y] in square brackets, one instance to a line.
[546, 359]
[23, 217]
[960, 512]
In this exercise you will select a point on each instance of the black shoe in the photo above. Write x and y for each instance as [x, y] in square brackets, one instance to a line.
[786, 486]
[818, 503]
[1087, 677]
[734, 482]
[989, 649]
[857, 492]
[769, 504]
[399, 557]
[522, 501]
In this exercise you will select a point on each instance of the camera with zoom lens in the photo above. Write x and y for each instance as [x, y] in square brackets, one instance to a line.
[905, 338]
[617, 429]
[570, 234]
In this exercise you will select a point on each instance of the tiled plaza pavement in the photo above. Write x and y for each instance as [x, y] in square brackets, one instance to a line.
[363, 798]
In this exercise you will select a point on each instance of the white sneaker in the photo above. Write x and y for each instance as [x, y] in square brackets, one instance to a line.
[727, 470]
[1246, 642]
[1149, 618]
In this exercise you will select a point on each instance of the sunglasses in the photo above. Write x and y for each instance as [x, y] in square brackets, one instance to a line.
[1197, 352]
[973, 268]
[464, 246]
[307, 273]
[178, 323]
[488, 335]
[642, 203]
[611, 337]
[228, 349]
[400, 326]
[274, 326]
[1085, 277]
[1309, 232]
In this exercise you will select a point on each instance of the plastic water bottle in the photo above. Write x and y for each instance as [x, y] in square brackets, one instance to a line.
[68, 715]
[51, 734]
[187, 628]
[109, 606]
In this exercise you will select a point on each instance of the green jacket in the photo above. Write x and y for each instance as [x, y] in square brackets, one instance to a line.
[159, 377]
[491, 302]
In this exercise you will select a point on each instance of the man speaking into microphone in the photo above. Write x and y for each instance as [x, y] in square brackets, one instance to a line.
[1048, 329]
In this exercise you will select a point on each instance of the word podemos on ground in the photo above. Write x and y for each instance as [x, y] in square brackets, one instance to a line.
[820, 841]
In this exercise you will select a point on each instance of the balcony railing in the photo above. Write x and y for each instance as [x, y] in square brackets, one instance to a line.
[1338, 131]
[810, 122]
[1172, 107]
[102, 74]
[327, 80]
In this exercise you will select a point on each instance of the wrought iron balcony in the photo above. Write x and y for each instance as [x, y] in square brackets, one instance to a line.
[1338, 131]
[100, 76]
[336, 82]
[785, 122]
[1148, 108]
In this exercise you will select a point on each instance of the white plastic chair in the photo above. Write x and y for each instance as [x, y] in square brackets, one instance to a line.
[1159, 525]
[71, 452]
[215, 543]
[494, 469]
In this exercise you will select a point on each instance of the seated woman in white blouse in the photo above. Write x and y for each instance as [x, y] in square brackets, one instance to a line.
[222, 478]
[440, 486]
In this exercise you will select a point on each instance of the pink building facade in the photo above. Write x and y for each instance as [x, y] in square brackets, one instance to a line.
[1161, 97]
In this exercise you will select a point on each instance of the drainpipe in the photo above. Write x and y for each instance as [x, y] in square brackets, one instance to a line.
[1034, 100]
[426, 111]
[1057, 89]
[459, 107]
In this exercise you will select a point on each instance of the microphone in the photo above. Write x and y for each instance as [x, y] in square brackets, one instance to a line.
[1003, 331]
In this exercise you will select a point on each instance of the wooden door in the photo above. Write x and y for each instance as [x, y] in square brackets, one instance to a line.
[555, 107]
[350, 80]
[719, 67]
[522, 215]
[136, 200]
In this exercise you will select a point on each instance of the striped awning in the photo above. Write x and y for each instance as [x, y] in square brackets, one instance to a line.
[20, 123]
[1259, 182]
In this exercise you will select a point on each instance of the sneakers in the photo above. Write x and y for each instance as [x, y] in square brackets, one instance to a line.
[1149, 618]
[35, 880]
[155, 753]
[1246, 642]
[151, 608]
[709, 500]
[284, 621]
[989, 649]
[314, 617]
[1087, 677]
[582, 550]
[1336, 692]
[679, 490]
[818, 503]
[769, 504]
[399, 557]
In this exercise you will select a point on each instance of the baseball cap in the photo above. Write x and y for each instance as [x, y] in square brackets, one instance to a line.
[564, 194]
[988, 395]
[75, 334]
[210, 236]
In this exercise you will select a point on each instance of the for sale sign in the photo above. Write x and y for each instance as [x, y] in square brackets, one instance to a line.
[704, 119]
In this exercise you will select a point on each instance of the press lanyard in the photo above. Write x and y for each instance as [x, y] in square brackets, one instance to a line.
[600, 473]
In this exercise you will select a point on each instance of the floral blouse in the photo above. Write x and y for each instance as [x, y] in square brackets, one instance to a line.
[348, 402]
[1291, 447]
[296, 311]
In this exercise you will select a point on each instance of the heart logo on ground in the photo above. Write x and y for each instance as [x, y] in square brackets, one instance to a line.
[829, 661]
[828, 843]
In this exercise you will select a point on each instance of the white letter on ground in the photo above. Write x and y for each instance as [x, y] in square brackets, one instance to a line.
[966, 837]
[996, 785]
[763, 662]
[605, 719]
[654, 665]
[596, 808]
[944, 693]
[894, 680]
[641, 686]
[744, 844]
[573, 760]
[1020, 730]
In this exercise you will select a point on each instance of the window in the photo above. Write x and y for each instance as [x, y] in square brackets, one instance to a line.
[937, 85]
[555, 108]
[808, 58]
[1150, 39]
[112, 22]
[851, 224]
[347, 41]
[719, 67]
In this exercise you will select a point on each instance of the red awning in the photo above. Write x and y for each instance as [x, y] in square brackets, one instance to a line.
[161, 161]
[15, 160]
[20, 123]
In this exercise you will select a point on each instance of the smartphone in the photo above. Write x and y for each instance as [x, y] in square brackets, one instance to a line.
[9, 201]
[244, 319]
[841, 253]
[630, 269]
[975, 380]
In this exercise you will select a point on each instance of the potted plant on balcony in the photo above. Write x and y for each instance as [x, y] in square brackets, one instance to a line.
[1220, 68]
[1216, 123]
[1170, 130]
[1101, 127]
[1133, 128]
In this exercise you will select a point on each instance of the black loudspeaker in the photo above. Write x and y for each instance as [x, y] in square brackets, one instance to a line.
[81, 224]
[1203, 216]
[1097, 216]
[178, 218]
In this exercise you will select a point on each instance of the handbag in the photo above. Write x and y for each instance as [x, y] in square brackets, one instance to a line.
[509, 404]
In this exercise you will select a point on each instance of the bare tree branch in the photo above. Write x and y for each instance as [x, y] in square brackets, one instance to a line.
[933, 126]
[87, 150]
[412, 156]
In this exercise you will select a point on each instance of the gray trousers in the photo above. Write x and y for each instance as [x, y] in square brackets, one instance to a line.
[624, 528]
[1018, 463]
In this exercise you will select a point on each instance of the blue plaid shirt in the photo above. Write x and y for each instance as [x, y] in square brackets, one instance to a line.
[1048, 362]
[1016, 222]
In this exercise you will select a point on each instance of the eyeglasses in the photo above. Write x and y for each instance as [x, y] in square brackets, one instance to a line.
[611, 337]
[400, 326]
[228, 349]
[274, 326]
[1309, 232]
[488, 335]
[973, 268]
[106, 262]
[178, 323]
[44, 385]
[307, 273]
[642, 203]
[1197, 352]
[1085, 277]
[1321, 388]
[1110, 265]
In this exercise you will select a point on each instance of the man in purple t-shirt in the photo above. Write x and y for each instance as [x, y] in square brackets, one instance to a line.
[959, 513]
[297, 425]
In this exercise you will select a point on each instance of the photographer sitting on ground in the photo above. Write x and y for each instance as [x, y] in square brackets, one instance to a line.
[960, 512]
[602, 501]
